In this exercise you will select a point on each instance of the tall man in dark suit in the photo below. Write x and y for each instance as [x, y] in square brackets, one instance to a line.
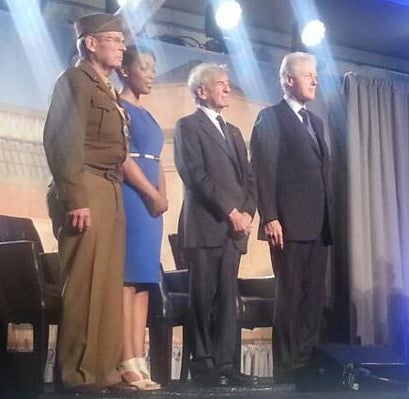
[291, 162]
[215, 220]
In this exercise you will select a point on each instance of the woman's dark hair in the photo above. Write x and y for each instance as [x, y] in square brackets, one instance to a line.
[133, 52]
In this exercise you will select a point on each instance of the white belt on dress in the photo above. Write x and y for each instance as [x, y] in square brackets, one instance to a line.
[146, 156]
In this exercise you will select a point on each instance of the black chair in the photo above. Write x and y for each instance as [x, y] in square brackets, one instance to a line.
[13, 228]
[255, 302]
[30, 286]
[168, 308]
[255, 306]
[179, 256]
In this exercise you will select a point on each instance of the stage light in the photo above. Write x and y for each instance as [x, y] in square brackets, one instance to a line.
[221, 17]
[228, 14]
[313, 33]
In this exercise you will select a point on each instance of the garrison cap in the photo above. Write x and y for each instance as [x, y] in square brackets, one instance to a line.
[97, 23]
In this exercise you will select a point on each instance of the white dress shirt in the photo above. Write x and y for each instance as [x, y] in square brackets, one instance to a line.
[212, 115]
[294, 105]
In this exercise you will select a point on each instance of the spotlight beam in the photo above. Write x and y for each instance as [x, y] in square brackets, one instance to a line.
[138, 12]
[38, 45]
[304, 12]
[243, 60]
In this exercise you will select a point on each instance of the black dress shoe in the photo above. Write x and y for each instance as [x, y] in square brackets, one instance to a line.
[301, 364]
[234, 377]
[86, 389]
[210, 379]
[123, 387]
[283, 376]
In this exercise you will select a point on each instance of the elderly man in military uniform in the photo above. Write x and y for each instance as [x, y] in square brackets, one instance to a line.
[85, 143]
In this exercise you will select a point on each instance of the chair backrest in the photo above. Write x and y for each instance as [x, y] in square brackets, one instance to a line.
[174, 283]
[179, 256]
[262, 287]
[21, 283]
[177, 281]
[14, 228]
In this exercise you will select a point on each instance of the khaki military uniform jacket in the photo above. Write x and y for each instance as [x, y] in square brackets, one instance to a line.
[83, 132]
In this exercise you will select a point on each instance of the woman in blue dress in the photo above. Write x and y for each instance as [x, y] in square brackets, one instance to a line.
[145, 200]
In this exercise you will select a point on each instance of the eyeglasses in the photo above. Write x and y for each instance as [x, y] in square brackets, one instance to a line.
[119, 41]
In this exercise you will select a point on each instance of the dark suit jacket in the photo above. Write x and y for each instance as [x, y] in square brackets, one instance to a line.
[292, 173]
[215, 182]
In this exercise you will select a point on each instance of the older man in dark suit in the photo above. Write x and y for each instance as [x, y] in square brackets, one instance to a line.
[215, 220]
[291, 162]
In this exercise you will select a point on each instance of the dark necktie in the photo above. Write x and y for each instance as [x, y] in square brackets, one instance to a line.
[227, 135]
[307, 124]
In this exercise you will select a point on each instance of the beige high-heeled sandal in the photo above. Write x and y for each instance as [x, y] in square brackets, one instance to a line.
[142, 368]
[129, 366]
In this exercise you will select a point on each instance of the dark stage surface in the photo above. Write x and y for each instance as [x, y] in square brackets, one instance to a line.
[265, 389]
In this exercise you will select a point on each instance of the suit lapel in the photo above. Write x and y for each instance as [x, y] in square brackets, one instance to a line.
[320, 136]
[238, 144]
[211, 131]
[296, 126]
[106, 90]
[90, 71]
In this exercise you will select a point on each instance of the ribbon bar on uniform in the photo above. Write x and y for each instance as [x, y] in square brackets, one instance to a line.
[146, 156]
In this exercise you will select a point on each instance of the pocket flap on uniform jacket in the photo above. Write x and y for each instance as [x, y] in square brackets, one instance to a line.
[102, 102]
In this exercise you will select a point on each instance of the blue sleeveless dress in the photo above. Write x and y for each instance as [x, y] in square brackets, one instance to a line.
[143, 232]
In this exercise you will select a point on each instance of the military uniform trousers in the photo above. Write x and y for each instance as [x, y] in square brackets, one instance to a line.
[90, 334]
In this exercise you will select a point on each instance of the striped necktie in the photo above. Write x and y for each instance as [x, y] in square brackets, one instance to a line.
[308, 126]
[227, 135]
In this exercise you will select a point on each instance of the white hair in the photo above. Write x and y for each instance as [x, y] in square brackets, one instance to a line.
[289, 65]
[201, 75]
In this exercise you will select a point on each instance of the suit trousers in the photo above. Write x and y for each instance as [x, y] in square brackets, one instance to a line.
[212, 303]
[90, 333]
[300, 272]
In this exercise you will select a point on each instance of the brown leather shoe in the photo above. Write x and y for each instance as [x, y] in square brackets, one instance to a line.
[122, 386]
[87, 389]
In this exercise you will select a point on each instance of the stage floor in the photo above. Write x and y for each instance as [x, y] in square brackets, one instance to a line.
[266, 389]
